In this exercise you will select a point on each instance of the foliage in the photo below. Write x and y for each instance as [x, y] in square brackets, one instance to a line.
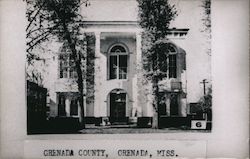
[154, 59]
[206, 4]
[90, 68]
[47, 19]
[59, 19]
[155, 17]
[206, 21]
[205, 102]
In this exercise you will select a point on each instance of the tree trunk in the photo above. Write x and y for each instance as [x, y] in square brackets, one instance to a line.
[79, 82]
[155, 122]
[77, 60]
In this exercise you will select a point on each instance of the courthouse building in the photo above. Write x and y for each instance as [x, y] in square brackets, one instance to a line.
[118, 91]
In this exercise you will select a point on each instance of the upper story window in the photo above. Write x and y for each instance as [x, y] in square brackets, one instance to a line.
[67, 66]
[172, 72]
[118, 62]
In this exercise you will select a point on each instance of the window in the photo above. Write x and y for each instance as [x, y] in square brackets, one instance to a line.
[118, 48]
[118, 63]
[122, 66]
[172, 66]
[61, 105]
[74, 107]
[67, 66]
[162, 104]
[172, 62]
[113, 67]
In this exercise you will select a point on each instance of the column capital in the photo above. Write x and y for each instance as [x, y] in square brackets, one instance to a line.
[138, 33]
[97, 33]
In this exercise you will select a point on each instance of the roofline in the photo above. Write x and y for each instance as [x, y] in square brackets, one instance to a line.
[171, 31]
[125, 22]
[110, 22]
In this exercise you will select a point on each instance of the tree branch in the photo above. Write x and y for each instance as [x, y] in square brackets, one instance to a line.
[38, 41]
[39, 9]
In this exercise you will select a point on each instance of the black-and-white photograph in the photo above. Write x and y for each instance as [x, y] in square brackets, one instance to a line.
[118, 66]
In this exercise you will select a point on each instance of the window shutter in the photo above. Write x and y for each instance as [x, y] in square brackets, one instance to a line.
[183, 60]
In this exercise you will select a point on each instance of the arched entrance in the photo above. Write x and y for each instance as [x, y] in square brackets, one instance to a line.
[117, 103]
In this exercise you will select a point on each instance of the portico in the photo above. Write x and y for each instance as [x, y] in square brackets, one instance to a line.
[117, 60]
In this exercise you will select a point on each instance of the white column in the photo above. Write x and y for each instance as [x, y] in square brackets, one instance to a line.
[97, 74]
[67, 107]
[138, 48]
[136, 106]
[79, 111]
[149, 105]
[183, 107]
[168, 105]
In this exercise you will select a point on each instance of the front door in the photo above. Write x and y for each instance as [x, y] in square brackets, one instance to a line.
[117, 107]
[174, 105]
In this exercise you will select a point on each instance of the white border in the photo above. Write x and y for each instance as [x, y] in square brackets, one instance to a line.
[230, 71]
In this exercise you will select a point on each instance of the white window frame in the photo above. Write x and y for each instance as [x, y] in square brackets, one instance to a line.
[172, 53]
[68, 67]
[117, 54]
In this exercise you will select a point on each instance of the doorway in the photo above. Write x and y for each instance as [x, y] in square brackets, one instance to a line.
[117, 106]
[174, 106]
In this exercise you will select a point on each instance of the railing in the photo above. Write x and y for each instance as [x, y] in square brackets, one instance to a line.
[176, 86]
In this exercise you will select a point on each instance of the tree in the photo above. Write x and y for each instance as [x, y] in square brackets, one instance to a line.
[58, 19]
[206, 20]
[155, 17]
[205, 102]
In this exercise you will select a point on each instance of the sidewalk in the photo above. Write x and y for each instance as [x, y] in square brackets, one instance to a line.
[127, 129]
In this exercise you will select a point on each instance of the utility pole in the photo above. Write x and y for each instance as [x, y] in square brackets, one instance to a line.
[204, 85]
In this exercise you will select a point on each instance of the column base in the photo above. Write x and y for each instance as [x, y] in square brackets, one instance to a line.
[102, 121]
[133, 120]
